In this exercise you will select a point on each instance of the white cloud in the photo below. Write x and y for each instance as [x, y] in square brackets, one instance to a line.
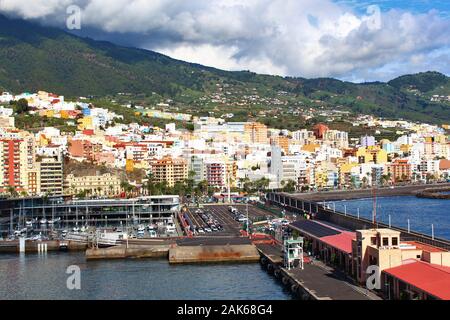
[289, 37]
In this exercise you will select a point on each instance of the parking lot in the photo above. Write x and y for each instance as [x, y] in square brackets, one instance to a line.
[218, 220]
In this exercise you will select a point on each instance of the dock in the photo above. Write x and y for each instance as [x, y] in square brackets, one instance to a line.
[314, 282]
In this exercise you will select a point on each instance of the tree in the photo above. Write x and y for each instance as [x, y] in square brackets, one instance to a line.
[289, 186]
[20, 106]
[12, 191]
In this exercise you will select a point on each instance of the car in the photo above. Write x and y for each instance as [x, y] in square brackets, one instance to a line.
[200, 230]
[214, 228]
[208, 230]
[242, 219]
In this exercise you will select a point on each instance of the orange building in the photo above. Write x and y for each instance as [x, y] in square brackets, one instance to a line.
[319, 130]
[257, 132]
[169, 170]
[84, 149]
[400, 171]
[282, 142]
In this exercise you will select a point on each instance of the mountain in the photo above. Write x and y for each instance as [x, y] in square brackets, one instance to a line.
[34, 57]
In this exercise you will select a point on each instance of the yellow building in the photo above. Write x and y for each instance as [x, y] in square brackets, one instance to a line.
[129, 165]
[372, 154]
[405, 148]
[85, 123]
[310, 147]
[345, 173]
[51, 176]
[100, 185]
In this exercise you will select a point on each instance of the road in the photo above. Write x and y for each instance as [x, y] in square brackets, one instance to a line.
[366, 193]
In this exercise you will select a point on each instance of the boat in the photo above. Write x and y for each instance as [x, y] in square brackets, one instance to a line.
[76, 229]
[43, 221]
[63, 246]
[141, 228]
[51, 221]
[152, 227]
[29, 223]
[108, 239]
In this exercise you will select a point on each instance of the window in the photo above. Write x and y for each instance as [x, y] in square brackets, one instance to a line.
[395, 241]
[385, 241]
[373, 241]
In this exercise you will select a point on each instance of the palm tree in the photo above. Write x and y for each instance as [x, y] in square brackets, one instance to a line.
[12, 191]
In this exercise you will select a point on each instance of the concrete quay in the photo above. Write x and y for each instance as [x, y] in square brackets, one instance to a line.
[124, 252]
[13, 246]
[182, 250]
[213, 254]
[314, 282]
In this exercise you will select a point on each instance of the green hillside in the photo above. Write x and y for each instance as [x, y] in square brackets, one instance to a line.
[39, 58]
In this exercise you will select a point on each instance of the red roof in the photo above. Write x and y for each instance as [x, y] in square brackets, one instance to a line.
[423, 246]
[88, 132]
[431, 278]
[342, 241]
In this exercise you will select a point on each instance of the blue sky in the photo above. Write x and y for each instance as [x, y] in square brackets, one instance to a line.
[418, 6]
[305, 38]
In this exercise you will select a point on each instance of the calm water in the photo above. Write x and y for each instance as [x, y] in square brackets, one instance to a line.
[43, 277]
[422, 213]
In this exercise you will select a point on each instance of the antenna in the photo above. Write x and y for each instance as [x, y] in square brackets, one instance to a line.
[374, 209]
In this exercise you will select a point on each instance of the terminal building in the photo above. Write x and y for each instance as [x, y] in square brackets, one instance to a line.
[406, 269]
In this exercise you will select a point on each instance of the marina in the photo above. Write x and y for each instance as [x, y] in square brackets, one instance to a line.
[237, 234]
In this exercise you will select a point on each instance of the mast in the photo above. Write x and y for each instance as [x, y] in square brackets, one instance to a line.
[374, 209]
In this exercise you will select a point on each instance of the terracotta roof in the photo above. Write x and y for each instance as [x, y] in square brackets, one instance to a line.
[430, 278]
[342, 241]
[423, 246]
[444, 164]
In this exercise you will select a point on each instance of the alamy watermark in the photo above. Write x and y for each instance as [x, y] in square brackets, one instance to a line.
[73, 21]
[73, 281]
[373, 21]
[373, 281]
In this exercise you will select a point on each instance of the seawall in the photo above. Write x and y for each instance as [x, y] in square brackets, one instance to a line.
[213, 254]
[122, 252]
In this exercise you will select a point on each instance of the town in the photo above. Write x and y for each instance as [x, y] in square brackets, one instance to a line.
[101, 156]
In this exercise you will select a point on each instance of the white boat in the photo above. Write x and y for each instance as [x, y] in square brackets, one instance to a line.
[141, 228]
[43, 221]
[110, 238]
[29, 223]
[152, 227]
[51, 221]
[76, 229]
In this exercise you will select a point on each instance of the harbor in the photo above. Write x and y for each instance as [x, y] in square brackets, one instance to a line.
[305, 246]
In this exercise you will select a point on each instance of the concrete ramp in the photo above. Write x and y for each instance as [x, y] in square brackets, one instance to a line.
[213, 254]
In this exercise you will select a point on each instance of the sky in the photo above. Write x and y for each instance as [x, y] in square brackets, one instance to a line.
[346, 39]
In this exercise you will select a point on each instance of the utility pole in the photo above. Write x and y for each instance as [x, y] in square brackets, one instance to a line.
[228, 183]
[247, 222]
[374, 210]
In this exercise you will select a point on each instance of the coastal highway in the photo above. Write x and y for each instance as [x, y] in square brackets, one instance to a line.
[365, 193]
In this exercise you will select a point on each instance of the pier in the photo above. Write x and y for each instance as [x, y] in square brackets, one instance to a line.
[315, 282]
[318, 210]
